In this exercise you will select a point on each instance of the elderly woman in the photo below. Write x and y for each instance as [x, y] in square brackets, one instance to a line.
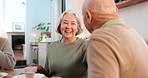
[66, 58]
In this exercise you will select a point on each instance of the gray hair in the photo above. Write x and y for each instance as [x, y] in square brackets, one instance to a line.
[61, 18]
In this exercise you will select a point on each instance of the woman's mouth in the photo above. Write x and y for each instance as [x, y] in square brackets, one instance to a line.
[68, 31]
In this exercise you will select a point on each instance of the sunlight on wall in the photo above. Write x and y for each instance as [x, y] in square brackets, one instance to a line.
[1, 18]
[137, 17]
[76, 6]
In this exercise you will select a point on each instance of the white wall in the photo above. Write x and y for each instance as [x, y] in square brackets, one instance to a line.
[37, 11]
[68, 4]
[137, 17]
[1, 17]
[11, 11]
[14, 12]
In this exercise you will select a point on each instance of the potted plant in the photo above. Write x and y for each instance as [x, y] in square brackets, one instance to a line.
[45, 29]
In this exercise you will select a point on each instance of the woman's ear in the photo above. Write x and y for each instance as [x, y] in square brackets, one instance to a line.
[88, 16]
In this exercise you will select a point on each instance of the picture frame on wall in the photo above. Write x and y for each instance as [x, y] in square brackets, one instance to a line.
[18, 26]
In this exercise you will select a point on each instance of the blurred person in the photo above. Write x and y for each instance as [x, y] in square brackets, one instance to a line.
[114, 50]
[7, 59]
[66, 58]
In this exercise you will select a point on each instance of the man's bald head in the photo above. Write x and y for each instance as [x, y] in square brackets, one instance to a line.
[101, 9]
[97, 12]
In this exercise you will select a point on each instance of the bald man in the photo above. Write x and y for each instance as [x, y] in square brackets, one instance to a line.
[7, 59]
[115, 50]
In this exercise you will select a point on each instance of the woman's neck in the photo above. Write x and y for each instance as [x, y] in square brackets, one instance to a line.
[67, 41]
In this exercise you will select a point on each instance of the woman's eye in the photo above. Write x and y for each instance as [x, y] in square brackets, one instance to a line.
[73, 23]
[65, 22]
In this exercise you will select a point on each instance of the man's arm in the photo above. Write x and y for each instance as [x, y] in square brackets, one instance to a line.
[7, 59]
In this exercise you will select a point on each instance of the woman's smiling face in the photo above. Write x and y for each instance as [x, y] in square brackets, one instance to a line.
[69, 26]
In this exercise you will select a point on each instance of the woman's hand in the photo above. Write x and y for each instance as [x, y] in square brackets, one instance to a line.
[40, 69]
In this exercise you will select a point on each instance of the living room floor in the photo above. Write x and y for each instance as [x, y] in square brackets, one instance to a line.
[20, 61]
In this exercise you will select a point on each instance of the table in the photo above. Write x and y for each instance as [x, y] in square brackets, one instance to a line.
[14, 72]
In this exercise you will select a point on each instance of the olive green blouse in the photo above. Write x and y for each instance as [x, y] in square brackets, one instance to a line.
[67, 60]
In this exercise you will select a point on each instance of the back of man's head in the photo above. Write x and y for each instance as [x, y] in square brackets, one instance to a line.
[101, 9]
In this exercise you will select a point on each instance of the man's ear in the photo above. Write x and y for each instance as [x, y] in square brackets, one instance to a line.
[88, 16]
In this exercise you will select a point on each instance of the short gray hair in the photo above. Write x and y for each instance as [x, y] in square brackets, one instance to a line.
[61, 18]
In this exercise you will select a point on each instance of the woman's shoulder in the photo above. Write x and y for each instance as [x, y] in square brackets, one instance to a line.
[84, 41]
[54, 43]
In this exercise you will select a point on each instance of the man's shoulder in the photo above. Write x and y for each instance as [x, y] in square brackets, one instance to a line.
[109, 30]
[3, 40]
[99, 32]
[104, 34]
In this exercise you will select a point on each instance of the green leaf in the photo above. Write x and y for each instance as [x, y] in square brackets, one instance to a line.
[48, 23]
[43, 26]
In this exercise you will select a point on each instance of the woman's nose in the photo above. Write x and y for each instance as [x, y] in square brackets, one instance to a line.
[69, 25]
